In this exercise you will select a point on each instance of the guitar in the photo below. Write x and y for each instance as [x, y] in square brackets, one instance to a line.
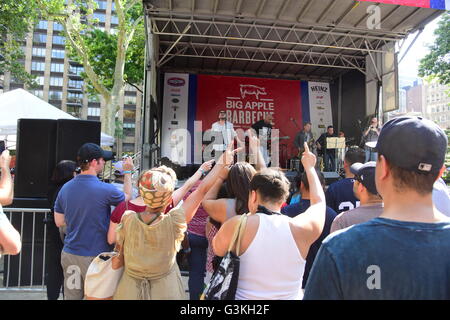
[312, 147]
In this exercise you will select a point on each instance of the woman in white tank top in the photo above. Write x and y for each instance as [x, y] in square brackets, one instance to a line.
[274, 246]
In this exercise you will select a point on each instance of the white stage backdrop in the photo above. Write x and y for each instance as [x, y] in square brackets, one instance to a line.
[319, 107]
[175, 143]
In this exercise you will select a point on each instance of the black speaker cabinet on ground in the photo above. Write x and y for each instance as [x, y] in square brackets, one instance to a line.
[72, 134]
[35, 160]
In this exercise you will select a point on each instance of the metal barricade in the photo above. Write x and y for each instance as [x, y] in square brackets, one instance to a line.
[26, 271]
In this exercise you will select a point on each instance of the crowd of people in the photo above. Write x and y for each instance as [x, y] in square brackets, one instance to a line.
[382, 232]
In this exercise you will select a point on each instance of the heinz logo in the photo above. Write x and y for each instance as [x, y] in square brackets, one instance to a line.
[319, 89]
[176, 82]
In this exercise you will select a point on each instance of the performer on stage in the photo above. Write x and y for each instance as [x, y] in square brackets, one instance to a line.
[304, 136]
[224, 133]
[263, 129]
[329, 155]
[371, 135]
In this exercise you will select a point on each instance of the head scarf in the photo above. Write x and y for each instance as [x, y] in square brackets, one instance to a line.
[156, 186]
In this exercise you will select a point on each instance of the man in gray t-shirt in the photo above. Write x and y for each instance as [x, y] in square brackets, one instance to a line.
[365, 190]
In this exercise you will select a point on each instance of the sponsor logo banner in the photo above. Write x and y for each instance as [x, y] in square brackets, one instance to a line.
[176, 143]
[319, 107]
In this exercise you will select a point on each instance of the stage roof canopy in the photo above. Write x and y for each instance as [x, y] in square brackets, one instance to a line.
[299, 39]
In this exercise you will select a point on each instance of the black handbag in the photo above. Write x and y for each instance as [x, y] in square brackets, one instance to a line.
[224, 281]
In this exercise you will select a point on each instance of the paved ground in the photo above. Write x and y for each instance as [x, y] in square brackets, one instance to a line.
[37, 293]
[41, 295]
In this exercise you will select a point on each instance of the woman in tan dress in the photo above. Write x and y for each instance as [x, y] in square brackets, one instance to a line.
[150, 240]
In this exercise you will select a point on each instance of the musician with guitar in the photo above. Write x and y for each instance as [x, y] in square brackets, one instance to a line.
[304, 136]
[329, 155]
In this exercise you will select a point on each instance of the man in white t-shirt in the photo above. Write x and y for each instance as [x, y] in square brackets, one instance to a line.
[224, 133]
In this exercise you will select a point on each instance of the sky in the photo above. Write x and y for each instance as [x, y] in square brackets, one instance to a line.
[408, 67]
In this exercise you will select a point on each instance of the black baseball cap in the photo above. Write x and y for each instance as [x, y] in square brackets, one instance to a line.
[413, 143]
[90, 151]
[365, 173]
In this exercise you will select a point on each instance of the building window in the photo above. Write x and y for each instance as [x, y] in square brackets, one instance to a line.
[39, 38]
[56, 81]
[37, 66]
[75, 97]
[94, 112]
[129, 125]
[55, 95]
[57, 53]
[76, 70]
[40, 80]
[101, 4]
[130, 99]
[42, 25]
[59, 40]
[38, 93]
[57, 26]
[100, 16]
[57, 67]
[77, 84]
[114, 19]
[38, 52]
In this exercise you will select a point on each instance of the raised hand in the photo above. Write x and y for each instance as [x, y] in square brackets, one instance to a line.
[227, 157]
[128, 164]
[5, 159]
[206, 166]
[308, 158]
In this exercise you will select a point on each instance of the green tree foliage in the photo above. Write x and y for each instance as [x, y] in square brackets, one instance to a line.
[110, 59]
[17, 17]
[436, 64]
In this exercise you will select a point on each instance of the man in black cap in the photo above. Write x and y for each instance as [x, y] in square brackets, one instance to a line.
[364, 188]
[84, 206]
[404, 253]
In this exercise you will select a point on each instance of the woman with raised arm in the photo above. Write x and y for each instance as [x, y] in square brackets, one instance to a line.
[274, 247]
[138, 204]
[148, 241]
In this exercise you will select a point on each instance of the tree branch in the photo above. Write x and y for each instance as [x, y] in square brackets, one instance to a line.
[83, 52]
[137, 88]
[131, 5]
[133, 28]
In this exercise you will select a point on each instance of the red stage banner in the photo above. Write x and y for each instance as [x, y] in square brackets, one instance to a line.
[247, 100]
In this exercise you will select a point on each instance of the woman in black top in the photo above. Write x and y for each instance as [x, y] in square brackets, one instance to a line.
[64, 171]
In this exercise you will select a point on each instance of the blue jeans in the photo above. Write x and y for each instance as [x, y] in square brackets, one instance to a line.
[197, 265]
[371, 155]
[330, 163]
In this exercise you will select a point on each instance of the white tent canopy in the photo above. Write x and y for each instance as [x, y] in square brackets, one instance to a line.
[20, 104]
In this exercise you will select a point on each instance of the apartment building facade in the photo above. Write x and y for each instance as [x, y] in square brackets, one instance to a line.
[60, 82]
[438, 104]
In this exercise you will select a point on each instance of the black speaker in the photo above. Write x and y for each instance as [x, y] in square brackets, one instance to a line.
[35, 160]
[330, 177]
[72, 134]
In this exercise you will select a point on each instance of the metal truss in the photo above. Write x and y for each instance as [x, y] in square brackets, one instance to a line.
[264, 43]
[315, 37]
[261, 54]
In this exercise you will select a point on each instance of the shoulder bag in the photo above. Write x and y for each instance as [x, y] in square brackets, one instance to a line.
[224, 282]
